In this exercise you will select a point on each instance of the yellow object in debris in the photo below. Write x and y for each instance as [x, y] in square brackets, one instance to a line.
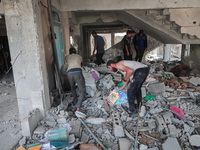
[35, 147]
[21, 148]
[113, 97]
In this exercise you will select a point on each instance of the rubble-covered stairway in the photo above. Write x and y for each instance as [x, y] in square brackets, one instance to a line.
[164, 24]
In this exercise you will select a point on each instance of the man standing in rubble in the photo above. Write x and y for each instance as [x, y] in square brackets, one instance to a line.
[139, 71]
[99, 46]
[141, 45]
[126, 43]
[75, 77]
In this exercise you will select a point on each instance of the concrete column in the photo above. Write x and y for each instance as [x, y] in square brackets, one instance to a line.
[194, 61]
[23, 22]
[66, 32]
[167, 50]
[112, 39]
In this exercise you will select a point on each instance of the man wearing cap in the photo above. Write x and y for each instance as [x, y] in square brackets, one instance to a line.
[141, 45]
[75, 76]
[99, 47]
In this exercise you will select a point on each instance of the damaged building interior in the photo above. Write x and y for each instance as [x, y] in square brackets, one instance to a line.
[36, 108]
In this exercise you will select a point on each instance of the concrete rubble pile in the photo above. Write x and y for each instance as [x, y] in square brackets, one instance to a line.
[112, 53]
[103, 125]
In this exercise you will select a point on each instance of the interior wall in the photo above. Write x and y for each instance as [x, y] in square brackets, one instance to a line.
[3, 31]
[193, 60]
[47, 45]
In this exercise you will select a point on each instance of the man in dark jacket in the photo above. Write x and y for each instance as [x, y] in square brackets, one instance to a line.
[140, 45]
[99, 47]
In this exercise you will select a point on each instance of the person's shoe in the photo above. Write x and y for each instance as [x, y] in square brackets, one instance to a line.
[132, 114]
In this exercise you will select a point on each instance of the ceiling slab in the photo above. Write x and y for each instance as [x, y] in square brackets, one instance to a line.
[85, 5]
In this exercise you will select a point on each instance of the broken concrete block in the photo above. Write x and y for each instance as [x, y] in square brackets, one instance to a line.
[129, 135]
[62, 112]
[143, 147]
[195, 140]
[171, 143]
[76, 128]
[156, 110]
[118, 128]
[80, 114]
[124, 144]
[175, 121]
[154, 148]
[51, 124]
[39, 130]
[167, 119]
[99, 131]
[71, 138]
[195, 81]
[84, 137]
[107, 135]
[95, 120]
[144, 92]
[30, 122]
[152, 124]
[62, 120]
[142, 111]
[156, 88]
[22, 141]
[173, 131]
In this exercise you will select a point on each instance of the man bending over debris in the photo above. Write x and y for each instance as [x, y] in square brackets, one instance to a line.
[139, 71]
[75, 76]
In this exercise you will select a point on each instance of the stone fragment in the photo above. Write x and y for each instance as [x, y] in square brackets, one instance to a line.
[106, 135]
[76, 128]
[156, 88]
[51, 124]
[167, 119]
[195, 140]
[124, 144]
[156, 110]
[144, 92]
[195, 81]
[95, 120]
[152, 124]
[99, 131]
[143, 147]
[171, 143]
[117, 125]
[62, 112]
[62, 120]
[39, 130]
[80, 114]
[71, 138]
[129, 135]
[173, 131]
[154, 148]
[22, 141]
[84, 137]
[142, 111]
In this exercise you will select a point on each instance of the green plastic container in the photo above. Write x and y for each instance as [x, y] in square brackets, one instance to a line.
[120, 84]
[150, 97]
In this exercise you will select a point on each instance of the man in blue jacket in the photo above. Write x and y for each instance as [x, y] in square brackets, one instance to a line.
[140, 45]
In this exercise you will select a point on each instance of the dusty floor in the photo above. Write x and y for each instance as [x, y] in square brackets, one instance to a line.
[10, 128]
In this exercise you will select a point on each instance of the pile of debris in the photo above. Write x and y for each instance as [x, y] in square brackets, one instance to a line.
[168, 119]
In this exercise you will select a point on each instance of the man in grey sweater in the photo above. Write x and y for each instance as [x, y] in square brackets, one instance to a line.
[75, 76]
